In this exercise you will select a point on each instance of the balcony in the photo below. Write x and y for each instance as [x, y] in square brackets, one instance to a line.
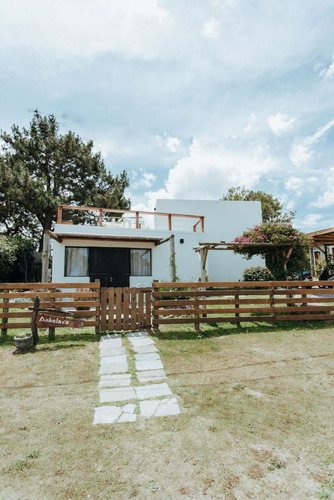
[132, 219]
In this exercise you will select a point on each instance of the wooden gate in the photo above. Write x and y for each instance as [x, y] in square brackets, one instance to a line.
[125, 309]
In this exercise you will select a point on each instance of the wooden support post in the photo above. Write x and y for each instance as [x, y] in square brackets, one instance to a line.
[172, 258]
[169, 222]
[203, 254]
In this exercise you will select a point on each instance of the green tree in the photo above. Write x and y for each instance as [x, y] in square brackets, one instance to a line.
[41, 169]
[284, 247]
[16, 256]
[272, 208]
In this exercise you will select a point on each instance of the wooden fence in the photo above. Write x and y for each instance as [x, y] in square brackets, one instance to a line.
[237, 302]
[17, 298]
[125, 309]
[117, 309]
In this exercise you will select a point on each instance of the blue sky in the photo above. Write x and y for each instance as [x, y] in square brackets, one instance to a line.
[190, 97]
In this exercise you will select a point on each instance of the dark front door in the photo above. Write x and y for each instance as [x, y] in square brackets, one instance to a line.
[110, 265]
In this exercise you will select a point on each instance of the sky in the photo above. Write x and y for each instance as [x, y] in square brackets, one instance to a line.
[190, 97]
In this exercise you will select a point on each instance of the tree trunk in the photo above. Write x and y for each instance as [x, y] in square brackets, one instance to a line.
[45, 258]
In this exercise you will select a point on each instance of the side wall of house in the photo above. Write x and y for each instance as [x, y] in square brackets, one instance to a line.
[224, 220]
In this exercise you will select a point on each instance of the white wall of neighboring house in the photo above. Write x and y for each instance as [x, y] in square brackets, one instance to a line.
[224, 220]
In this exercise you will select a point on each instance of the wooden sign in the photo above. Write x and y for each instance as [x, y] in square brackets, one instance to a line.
[44, 319]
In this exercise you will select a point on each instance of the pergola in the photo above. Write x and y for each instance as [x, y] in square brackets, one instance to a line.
[204, 248]
[321, 240]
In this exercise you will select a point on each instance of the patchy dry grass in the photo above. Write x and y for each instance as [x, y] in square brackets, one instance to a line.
[256, 421]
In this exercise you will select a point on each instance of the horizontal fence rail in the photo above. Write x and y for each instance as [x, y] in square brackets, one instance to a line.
[82, 300]
[237, 302]
[125, 308]
[122, 309]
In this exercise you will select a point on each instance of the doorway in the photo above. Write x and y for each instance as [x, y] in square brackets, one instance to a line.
[110, 265]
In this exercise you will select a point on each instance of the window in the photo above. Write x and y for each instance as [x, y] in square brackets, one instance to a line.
[76, 261]
[140, 262]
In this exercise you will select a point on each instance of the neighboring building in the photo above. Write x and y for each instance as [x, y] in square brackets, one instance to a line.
[131, 248]
[322, 248]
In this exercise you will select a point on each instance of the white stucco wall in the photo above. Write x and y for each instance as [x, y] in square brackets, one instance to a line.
[224, 220]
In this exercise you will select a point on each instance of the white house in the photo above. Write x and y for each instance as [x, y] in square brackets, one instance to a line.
[131, 248]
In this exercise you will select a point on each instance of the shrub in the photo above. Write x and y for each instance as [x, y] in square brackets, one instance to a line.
[257, 273]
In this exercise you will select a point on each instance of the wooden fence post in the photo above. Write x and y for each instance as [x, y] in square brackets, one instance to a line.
[272, 305]
[4, 320]
[155, 317]
[98, 310]
[196, 306]
[237, 315]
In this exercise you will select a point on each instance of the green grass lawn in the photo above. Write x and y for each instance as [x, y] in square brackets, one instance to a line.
[256, 418]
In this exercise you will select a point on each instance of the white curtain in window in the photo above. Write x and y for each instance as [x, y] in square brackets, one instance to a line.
[76, 261]
[140, 262]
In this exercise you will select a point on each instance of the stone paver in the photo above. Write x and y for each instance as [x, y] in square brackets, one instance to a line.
[117, 394]
[148, 365]
[111, 351]
[147, 356]
[151, 375]
[114, 368]
[152, 391]
[145, 348]
[115, 381]
[113, 414]
[106, 360]
[159, 408]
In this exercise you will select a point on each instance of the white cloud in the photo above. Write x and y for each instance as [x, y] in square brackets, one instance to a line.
[251, 121]
[206, 172]
[301, 153]
[280, 123]
[173, 143]
[328, 73]
[295, 184]
[145, 181]
[326, 199]
[82, 28]
[211, 28]
[311, 222]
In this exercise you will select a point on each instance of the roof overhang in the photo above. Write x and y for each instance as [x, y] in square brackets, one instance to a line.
[60, 237]
[323, 237]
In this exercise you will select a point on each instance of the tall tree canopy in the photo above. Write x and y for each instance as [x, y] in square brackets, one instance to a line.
[272, 208]
[41, 169]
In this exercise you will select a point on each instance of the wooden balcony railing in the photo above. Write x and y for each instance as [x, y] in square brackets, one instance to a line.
[137, 216]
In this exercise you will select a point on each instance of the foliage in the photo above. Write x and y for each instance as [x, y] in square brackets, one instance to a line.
[7, 258]
[283, 237]
[16, 254]
[41, 169]
[272, 208]
[257, 273]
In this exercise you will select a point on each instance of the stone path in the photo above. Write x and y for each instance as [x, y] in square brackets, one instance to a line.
[117, 385]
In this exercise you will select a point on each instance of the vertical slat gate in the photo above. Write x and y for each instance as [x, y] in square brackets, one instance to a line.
[125, 309]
